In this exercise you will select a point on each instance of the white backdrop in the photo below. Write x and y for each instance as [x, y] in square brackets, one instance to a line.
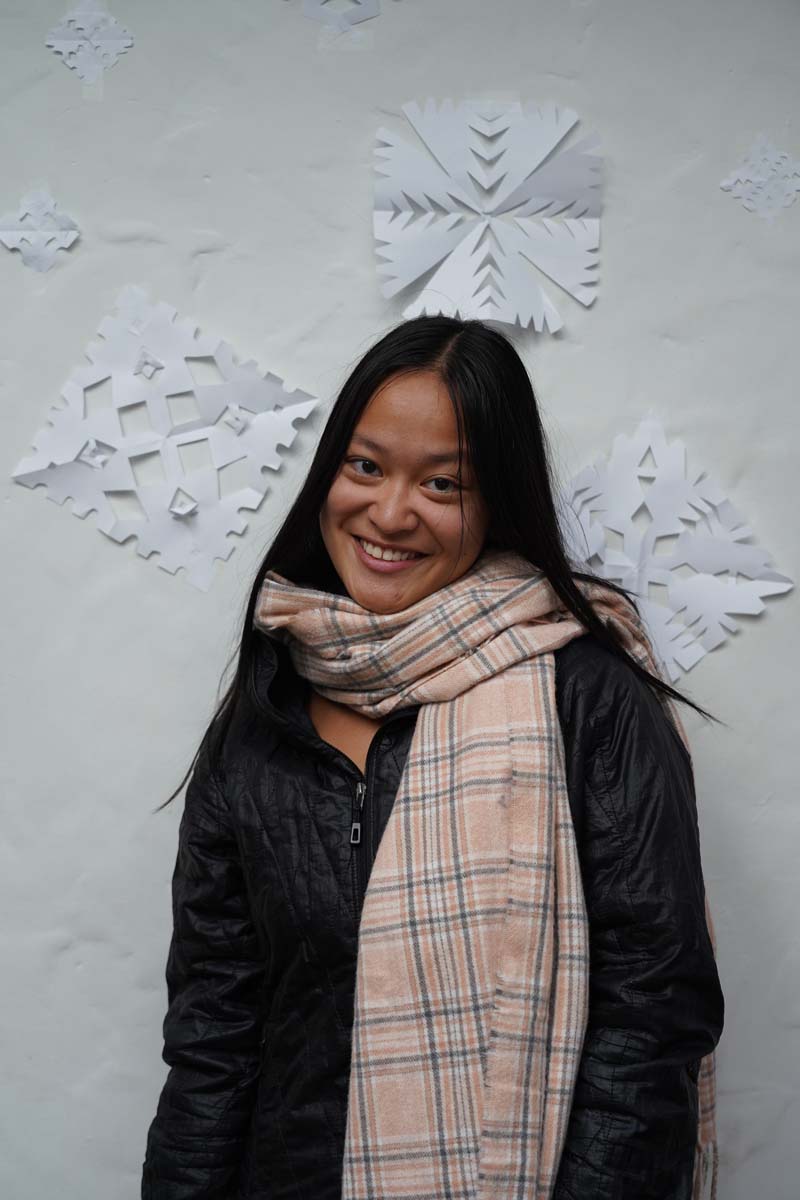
[226, 165]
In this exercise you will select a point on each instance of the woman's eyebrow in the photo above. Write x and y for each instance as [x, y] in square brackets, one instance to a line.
[446, 457]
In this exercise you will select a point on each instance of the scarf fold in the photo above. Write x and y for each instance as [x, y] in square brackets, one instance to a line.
[472, 973]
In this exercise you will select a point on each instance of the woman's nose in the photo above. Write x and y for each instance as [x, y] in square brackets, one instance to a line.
[392, 508]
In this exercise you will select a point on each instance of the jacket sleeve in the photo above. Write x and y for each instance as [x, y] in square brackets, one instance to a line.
[655, 1002]
[212, 1029]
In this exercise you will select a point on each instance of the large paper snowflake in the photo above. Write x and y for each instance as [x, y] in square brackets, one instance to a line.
[135, 422]
[37, 230]
[490, 204]
[689, 545]
[766, 182]
[89, 40]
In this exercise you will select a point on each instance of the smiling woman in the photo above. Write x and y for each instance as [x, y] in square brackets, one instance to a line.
[394, 531]
[439, 911]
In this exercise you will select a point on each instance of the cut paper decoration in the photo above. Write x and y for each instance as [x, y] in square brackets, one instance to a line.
[37, 230]
[182, 505]
[89, 40]
[766, 182]
[155, 397]
[489, 199]
[689, 545]
[340, 19]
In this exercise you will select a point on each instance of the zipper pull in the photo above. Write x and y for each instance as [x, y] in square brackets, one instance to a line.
[355, 828]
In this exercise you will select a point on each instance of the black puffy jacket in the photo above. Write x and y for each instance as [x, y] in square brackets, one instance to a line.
[267, 893]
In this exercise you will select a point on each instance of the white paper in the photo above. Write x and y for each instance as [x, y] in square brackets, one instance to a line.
[706, 568]
[38, 230]
[341, 20]
[494, 206]
[84, 453]
[89, 40]
[766, 182]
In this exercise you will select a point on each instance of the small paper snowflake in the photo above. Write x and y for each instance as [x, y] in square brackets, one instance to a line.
[766, 182]
[491, 199]
[37, 230]
[145, 400]
[689, 546]
[89, 40]
[341, 20]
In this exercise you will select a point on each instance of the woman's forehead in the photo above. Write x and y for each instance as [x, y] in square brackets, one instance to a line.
[433, 457]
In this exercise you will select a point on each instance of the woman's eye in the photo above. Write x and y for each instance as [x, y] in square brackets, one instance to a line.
[452, 484]
[443, 479]
[353, 461]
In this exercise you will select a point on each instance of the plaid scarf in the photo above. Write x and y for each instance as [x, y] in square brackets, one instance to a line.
[471, 991]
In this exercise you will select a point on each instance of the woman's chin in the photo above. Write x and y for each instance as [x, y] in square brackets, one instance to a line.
[383, 594]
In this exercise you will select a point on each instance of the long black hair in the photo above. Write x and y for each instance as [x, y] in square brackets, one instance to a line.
[499, 425]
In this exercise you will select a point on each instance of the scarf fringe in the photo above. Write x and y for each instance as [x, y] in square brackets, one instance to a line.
[706, 1170]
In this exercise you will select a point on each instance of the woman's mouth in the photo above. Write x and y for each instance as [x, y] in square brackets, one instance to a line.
[367, 550]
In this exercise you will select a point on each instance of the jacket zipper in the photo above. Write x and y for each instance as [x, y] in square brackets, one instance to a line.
[361, 826]
[360, 822]
[355, 828]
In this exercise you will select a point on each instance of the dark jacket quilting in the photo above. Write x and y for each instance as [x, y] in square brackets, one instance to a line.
[267, 893]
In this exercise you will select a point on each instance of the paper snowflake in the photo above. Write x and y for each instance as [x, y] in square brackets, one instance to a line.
[37, 230]
[689, 545]
[89, 40]
[138, 410]
[766, 182]
[341, 20]
[488, 205]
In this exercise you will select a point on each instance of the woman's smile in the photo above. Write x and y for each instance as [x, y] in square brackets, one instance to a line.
[382, 565]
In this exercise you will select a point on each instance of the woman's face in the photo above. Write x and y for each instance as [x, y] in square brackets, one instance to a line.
[398, 488]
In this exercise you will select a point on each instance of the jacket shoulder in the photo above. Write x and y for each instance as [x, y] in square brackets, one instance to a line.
[614, 726]
[591, 680]
[595, 686]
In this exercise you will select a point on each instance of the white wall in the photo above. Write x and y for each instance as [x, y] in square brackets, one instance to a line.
[227, 167]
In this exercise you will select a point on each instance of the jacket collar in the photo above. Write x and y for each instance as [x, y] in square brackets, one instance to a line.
[283, 696]
[281, 691]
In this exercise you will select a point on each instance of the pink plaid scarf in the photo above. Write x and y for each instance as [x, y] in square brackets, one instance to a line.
[473, 960]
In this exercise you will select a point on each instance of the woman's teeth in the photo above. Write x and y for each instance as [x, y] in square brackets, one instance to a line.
[386, 555]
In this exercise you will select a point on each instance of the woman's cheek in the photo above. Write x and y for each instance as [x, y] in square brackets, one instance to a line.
[343, 496]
